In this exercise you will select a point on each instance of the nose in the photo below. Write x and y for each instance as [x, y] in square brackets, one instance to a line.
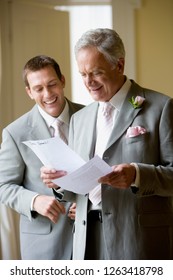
[89, 80]
[47, 91]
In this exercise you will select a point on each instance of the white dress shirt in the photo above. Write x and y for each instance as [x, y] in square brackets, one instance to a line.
[117, 102]
[64, 116]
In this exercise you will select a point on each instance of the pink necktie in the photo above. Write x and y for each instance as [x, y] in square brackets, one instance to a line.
[58, 130]
[105, 125]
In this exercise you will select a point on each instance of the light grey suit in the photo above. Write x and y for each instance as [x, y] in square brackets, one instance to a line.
[20, 181]
[135, 225]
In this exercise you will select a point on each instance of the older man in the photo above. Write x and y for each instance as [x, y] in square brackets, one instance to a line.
[130, 214]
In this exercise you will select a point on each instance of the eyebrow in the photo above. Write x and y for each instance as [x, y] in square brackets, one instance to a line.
[40, 85]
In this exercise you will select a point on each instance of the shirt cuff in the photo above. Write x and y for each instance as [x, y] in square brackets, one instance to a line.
[137, 179]
[32, 202]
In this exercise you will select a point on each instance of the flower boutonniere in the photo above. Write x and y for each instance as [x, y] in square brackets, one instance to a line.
[136, 101]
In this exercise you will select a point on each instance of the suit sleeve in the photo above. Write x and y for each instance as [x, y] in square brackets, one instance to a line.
[158, 180]
[12, 171]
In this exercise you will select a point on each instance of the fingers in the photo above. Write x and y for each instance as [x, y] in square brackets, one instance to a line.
[48, 170]
[108, 178]
[72, 211]
[49, 207]
[47, 175]
[122, 176]
[54, 211]
[50, 184]
[51, 174]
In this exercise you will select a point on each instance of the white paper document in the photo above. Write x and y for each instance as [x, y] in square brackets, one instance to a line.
[82, 177]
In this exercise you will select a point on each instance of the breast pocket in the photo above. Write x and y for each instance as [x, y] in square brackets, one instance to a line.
[136, 149]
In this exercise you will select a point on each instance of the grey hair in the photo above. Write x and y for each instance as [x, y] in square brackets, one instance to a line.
[107, 41]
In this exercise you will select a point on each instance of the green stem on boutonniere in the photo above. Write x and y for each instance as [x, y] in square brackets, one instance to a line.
[136, 101]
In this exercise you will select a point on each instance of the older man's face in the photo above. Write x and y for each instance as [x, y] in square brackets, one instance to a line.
[99, 76]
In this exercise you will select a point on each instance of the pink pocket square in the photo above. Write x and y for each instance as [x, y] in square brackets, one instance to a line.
[135, 131]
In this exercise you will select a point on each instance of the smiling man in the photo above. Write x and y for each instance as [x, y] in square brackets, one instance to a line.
[43, 220]
[129, 215]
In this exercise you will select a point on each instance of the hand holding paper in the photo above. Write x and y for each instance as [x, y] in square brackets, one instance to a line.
[82, 177]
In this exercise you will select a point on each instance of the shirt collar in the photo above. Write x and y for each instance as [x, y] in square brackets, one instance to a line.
[118, 99]
[64, 116]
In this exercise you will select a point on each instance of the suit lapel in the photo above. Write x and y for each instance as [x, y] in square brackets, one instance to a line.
[92, 130]
[37, 127]
[73, 107]
[88, 133]
[126, 115]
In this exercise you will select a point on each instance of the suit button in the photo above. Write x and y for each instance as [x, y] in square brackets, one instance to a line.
[108, 213]
[105, 158]
[84, 222]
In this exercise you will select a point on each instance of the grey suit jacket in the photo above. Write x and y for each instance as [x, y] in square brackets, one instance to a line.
[20, 181]
[136, 225]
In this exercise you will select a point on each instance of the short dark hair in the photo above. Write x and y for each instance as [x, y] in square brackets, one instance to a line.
[39, 62]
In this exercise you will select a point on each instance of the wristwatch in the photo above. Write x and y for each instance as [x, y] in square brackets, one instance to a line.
[59, 194]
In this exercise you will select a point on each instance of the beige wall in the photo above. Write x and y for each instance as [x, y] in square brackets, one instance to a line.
[146, 28]
[26, 30]
[154, 45]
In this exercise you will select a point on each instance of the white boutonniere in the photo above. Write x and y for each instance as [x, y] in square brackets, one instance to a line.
[136, 101]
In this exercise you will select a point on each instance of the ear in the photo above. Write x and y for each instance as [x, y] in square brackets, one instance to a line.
[28, 91]
[63, 81]
[120, 65]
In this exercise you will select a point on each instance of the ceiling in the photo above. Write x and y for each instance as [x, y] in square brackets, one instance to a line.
[74, 2]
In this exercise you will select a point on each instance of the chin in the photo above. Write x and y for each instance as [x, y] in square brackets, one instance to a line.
[52, 113]
[98, 97]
